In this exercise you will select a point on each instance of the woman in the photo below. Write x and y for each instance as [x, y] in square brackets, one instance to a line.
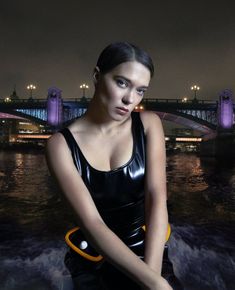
[110, 165]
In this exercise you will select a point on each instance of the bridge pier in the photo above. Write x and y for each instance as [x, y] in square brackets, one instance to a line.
[54, 107]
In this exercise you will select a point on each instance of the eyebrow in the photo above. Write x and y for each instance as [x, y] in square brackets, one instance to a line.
[129, 81]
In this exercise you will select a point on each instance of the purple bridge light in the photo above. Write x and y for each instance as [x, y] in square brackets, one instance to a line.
[54, 107]
[225, 120]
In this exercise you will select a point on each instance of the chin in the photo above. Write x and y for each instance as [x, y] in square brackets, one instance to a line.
[118, 117]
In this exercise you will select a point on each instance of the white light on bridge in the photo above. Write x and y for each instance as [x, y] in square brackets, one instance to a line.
[84, 87]
[187, 139]
[31, 87]
[25, 123]
[7, 99]
[195, 88]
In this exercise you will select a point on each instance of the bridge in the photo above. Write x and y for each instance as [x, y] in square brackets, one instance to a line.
[202, 115]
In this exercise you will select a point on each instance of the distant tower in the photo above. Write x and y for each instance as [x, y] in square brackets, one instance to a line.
[14, 95]
[225, 117]
[54, 107]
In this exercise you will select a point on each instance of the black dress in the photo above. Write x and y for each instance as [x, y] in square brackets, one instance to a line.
[119, 197]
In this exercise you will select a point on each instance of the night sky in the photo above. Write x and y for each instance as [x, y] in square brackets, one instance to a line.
[56, 43]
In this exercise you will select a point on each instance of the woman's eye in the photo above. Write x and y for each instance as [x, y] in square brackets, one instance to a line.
[122, 83]
[141, 92]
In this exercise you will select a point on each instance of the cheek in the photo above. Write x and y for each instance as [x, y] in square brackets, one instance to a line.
[107, 94]
[138, 99]
[141, 99]
[112, 92]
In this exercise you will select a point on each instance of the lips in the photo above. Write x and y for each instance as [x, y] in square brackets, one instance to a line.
[122, 109]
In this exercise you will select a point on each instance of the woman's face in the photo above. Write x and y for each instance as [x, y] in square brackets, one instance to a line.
[122, 89]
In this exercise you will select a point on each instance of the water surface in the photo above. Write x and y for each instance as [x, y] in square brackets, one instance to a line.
[34, 218]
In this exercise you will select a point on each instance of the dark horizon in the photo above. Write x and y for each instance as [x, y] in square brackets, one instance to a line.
[53, 44]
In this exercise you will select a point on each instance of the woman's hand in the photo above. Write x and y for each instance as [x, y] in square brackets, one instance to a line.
[159, 284]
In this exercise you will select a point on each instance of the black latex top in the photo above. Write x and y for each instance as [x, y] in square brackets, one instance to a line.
[118, 193]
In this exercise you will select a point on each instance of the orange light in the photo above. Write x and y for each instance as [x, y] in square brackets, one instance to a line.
[26, 136]
[187, 139]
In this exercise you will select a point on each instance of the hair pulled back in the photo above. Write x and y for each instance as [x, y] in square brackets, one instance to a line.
[120, 52]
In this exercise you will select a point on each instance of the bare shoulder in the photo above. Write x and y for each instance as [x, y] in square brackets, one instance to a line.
[55, 139]
[56, 144]
[58, 155]
[151, 121]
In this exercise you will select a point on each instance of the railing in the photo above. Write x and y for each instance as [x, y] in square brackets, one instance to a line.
[20, 101]
[179, 101]
[147, 100]
[84, 99]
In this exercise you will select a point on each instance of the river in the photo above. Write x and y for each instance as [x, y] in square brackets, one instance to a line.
[34, 218]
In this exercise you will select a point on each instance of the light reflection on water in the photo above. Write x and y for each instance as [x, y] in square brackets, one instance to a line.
[34, 219]
[200, 190]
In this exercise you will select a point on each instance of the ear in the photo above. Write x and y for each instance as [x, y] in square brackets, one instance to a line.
[96, 74]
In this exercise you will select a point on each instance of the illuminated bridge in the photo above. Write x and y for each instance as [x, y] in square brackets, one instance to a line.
[202, 115]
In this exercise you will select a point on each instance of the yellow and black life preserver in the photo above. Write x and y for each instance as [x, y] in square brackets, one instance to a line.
[75, 239]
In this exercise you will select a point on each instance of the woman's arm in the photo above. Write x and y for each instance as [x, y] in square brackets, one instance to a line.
[98, 234]
[155, 191]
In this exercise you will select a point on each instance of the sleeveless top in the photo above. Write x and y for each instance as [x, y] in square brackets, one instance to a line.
[118, 193]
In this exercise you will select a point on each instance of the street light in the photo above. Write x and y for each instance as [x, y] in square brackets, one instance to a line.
[7, 100]
[184, 100]
[84, 87]
[139, 108]
[31, 87]
[195, 88]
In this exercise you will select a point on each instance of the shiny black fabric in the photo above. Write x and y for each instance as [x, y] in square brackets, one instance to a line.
[118, 192]
[119, 197]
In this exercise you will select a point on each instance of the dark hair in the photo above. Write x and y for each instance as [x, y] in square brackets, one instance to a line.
[119, 52]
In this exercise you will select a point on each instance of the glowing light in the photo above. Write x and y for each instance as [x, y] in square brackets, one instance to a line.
[31, 87]
[140, 107]
[195, 88]
[84, 87]
[188, 139]
[26, 136]
[226, 109]
[7, 99]
[25, 123]
[54, 106]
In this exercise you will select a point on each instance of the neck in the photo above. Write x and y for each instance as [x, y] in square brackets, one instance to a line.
[98, 118]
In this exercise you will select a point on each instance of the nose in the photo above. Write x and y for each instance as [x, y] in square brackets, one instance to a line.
[128, 98]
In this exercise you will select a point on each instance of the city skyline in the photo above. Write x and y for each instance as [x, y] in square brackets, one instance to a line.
[53, 44]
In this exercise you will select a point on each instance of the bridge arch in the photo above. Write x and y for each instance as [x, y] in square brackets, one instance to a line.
[12, 114]
[207, 130]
